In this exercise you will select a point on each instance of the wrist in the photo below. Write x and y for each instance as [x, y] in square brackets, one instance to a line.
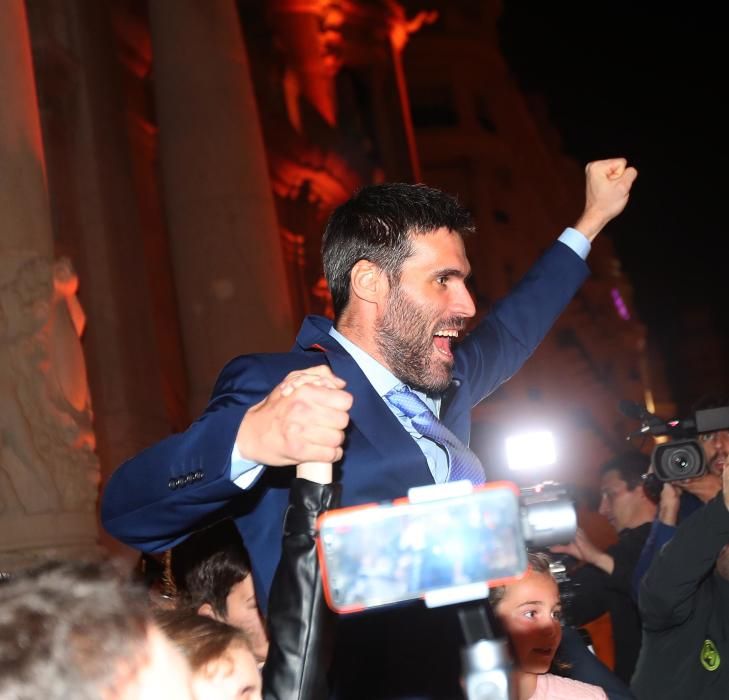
[668, 515]
[318, 472]
[589, 225]
[245, 440]
[603, 561]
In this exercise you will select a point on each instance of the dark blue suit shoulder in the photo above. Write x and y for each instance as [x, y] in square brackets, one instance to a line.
[262, 371]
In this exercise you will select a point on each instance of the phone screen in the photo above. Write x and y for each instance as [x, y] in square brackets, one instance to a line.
[386, 553]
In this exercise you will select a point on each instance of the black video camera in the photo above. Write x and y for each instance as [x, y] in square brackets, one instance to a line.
[682, 457]
[678, 459]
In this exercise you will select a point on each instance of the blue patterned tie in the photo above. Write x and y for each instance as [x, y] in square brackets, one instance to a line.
[464, 464]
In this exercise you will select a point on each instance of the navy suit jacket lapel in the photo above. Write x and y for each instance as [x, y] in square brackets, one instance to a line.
[373, 419]
[455, 407]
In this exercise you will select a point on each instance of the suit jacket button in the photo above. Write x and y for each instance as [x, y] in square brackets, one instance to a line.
[199, 475]
[180, 481]
[172, 483]
[189, 478]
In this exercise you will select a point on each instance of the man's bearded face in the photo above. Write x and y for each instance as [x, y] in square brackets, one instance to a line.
[416, 342]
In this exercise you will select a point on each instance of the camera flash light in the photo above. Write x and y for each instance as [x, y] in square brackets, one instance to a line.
[530, 450]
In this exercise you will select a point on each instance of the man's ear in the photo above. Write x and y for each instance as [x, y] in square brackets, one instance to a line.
[368, 281]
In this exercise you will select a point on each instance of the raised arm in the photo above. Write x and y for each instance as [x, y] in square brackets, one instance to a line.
[507, 336]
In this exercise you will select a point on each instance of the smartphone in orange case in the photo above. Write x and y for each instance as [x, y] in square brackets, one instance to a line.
[384, 553]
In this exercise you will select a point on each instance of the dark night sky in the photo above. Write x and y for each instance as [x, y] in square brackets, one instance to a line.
[650, 84]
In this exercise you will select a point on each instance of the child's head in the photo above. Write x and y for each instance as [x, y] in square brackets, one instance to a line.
[530, 611]
[212, 573]
[220, 656]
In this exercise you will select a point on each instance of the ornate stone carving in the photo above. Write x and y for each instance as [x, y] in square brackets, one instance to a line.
[46, 435]
[401, 27]
[327, 176]
[310, 35]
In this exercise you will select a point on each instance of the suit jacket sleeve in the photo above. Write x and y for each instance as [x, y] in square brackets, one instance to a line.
[507, 337]
[154, 500]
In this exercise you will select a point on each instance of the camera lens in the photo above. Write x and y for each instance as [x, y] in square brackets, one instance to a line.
[681, 462]
[680, 459]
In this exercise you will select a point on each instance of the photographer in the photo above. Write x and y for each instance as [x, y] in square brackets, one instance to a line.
[684, 599]
[675, 504]
[678, 499]
[602, 584]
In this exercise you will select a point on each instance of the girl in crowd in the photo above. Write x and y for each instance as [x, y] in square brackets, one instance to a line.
[529, 611]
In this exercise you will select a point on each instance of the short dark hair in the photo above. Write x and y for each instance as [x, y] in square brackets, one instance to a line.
[201, 639]
[69, 629]
[376, 225]
[631, 467]
[207, 565]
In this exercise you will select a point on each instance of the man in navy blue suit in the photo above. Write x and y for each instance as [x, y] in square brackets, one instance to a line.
[396, 266]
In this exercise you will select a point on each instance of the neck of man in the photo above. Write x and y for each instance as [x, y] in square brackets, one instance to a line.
[361, 333]
[645, 514]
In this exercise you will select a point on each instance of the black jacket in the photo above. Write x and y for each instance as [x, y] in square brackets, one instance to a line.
[299, 621]
[583, 665]
[685, 608]
[597, 592]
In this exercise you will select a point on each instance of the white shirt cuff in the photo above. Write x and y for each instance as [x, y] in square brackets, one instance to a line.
[573, 239]
[243, 472]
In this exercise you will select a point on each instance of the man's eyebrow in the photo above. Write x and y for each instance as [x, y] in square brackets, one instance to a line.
[452, 272]
[531, 602]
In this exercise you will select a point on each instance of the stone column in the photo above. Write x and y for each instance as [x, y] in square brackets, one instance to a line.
[48, 469]
[226, 250]
[98, 220]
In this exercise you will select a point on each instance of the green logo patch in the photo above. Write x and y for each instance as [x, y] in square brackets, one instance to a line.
[709, 656]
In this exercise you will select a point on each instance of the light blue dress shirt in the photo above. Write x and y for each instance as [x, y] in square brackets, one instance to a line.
[244, 472]
[383, 381]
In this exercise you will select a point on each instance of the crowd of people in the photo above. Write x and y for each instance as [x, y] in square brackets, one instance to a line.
[363, 408]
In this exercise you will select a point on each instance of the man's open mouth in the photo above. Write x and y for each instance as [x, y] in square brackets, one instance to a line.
[444, 339]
